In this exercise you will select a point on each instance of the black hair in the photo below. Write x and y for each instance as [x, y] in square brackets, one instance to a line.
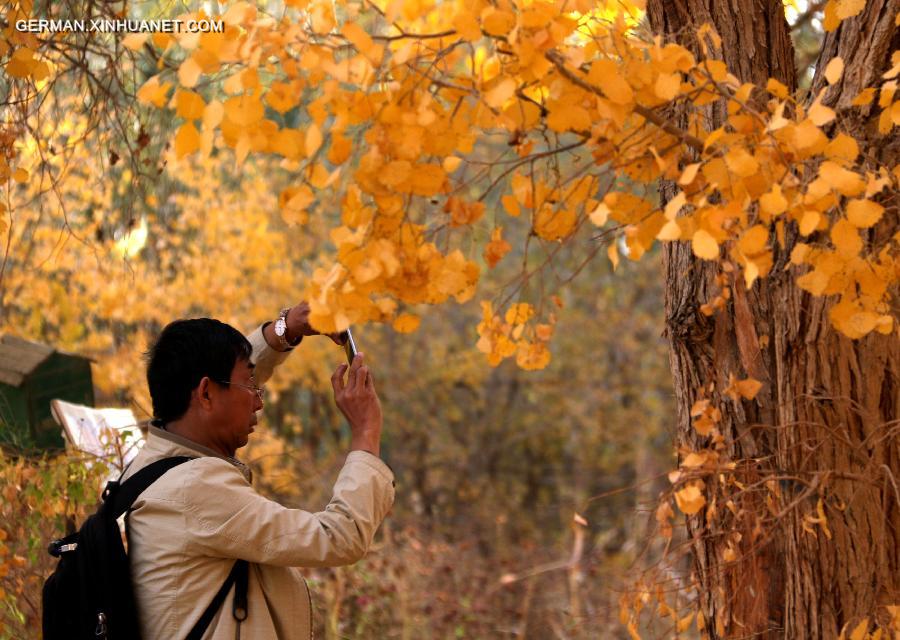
[185, 352]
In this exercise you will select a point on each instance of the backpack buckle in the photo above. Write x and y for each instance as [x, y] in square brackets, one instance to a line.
[59, 547]
[111, 488]
[100, 631]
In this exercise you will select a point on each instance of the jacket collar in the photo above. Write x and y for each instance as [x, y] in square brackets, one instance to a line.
[174, 444]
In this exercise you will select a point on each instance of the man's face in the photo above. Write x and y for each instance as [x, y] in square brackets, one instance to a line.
[236, 410]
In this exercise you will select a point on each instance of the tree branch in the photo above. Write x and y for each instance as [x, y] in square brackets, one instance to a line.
[648, 114]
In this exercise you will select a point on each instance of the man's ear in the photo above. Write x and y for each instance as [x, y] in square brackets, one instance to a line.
[203, 393]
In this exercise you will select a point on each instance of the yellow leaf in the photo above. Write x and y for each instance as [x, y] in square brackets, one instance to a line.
[689, 173]
[667, 86]
[294, 202]
[554, 225]
[885, 122]
[340, 149]
[462, 212]
[754, 240]
[429, 180]
[189, 73]
[740, 162]
[776, 88]
[566, 116]
[152, 92]
[288, 143]
[834, 69]
[213, 114]
[313, 140]
[500, 93]
[496, 248]
[467, 26]
[20, 175]
[864, 213]
[841, 180]
[751, 273]
[363, 42]
[748, 388]
[704, 245]
[532, 356]
[815, 282]
[800, 253]
[773, 203]
[808, 136]
[674, 205]
[717, 69]
[250, 79]
[135, 41]
[244, 110]
[820, 114]
[282, 96]
[613, 254]
[605, 74]
[690, 499]
[830, 20]
[189, 105]
[693, 460]
[600, 215]
[322, 17]
[685, 622]
[670, 231]
[843, 147]
[845, 239]
[21, 63]
[778, 121]
[519, 313]
[239, 13]
[859, 633]
[849, 8]
[511, 205]
[187, 140]
[865, 96]
[451, 163]
[406, 323]
[809, 222]
[395, 173]
[497, 22]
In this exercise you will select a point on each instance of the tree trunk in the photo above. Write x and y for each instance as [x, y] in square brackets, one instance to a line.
[821, 437]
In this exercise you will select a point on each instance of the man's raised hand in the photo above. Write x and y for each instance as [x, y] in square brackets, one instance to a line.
[358, 401]
[298, 323]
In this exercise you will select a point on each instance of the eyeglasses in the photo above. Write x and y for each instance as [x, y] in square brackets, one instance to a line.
[259, 391]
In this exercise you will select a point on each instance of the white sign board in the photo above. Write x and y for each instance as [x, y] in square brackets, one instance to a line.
[112, 434]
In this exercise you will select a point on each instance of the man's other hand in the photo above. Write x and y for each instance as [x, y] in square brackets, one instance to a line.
[298, 324]
[358, 401]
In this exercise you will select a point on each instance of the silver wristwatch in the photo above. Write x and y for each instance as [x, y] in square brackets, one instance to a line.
[281, 332]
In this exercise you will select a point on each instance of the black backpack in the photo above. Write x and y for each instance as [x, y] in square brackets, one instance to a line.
[89, 594]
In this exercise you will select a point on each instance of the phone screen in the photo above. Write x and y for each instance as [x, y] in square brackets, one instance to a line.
[349, 346]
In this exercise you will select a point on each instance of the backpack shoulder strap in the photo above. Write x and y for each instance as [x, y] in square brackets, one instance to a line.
[239, 577]
[124, 495]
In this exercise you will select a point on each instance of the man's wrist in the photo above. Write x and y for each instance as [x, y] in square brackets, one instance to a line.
[366, 444]
[272, 339]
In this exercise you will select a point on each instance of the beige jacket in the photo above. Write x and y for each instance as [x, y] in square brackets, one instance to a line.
[187, 529]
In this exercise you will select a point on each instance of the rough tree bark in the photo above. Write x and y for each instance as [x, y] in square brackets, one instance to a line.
[825, 424]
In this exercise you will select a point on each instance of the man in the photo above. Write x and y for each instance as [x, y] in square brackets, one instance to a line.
[189, 527]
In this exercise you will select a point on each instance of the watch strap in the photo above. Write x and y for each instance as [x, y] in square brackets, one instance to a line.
[282, 339]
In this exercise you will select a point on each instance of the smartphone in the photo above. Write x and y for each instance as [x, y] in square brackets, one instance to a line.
[349, 345]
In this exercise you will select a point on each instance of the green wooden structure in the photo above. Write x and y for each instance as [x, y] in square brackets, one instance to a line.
[31, 375]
